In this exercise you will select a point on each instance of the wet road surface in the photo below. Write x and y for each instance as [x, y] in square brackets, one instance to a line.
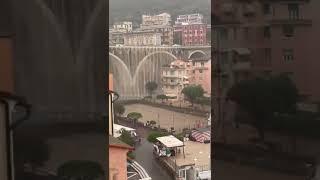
[145, 158]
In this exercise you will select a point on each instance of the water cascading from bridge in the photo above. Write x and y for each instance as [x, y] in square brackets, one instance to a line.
[133, 67]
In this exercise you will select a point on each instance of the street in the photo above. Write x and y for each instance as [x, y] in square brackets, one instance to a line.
[145, 158]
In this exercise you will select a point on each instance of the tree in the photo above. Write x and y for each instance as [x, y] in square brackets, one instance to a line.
[126, 138]
[162, 97]
[152, 137]
[192, 93]
[135, 116]
[264, 98]
[119, 109]
[151, 86]
[80, 169]
[152, 123]
[203, 101]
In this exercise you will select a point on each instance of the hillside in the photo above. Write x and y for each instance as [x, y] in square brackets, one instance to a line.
[133, 9]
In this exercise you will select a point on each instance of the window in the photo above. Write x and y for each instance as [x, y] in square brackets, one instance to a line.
[202, 64]
[293, 11]
[193, 71]
[288, 55]
[172, 80]
[234, 33]
[194, 63]
[224, 33]
[200, 71]
[224, 58]
[246, 33]
[267, 55]
[289, 74]
[266, 32]
[288, 30]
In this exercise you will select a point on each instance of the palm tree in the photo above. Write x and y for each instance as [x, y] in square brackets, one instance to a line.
[151, 86]
[134, 116]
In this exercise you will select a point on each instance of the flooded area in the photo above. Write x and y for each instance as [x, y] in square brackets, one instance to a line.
[166, 118]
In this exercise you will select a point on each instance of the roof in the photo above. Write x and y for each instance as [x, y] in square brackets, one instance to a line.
[118, 127]
[115, 142]
[170, 141]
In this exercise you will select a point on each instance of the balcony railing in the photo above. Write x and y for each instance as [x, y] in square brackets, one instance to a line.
[171, 83]
[170, 75]
[288, 21]
[203, 168]
[241, 66]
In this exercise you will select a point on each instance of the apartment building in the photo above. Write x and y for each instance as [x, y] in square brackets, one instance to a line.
[189, 19]
[159, 24]
[175, 77]
[189, 30]
[201, 74]
[259, 38]
[163, 19]
[142, 38]
[115, 38]
[123, 27]
[180, 74]
[165, 31]
[194, 34]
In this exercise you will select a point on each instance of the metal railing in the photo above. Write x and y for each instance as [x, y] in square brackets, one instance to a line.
[203, 167]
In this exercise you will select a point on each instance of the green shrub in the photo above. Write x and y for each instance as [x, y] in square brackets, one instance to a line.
[180, 136]
[126, 138]
[131, 155]
[152, 137]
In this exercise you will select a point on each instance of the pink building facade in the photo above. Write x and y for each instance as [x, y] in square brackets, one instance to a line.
[194, 34]
[118, 159]
[201, 75]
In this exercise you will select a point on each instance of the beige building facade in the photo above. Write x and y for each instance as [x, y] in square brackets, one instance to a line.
[163, 19]
[123, 27]
[142, 38]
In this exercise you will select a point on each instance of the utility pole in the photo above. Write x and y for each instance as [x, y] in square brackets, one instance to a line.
[158, 121]
[173, 120]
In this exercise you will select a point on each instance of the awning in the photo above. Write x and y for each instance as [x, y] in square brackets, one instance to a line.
[205, 175]
[242, 51]
[170, 141]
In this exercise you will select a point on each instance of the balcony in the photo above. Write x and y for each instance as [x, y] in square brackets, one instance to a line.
[201, 67]
[170, 75]
[249, 10]
[241, 66]
[228, 8]
[170, 83]
[288, 21]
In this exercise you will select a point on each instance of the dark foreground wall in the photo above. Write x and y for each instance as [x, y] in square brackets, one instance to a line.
[60, 60]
